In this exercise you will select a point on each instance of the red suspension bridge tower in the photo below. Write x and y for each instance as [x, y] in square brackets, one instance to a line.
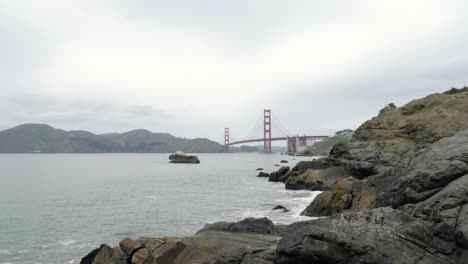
[267, 130]
[226, 139]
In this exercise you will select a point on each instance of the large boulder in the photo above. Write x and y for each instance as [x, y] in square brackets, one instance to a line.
[276, 176]
[336, 200]
[226, 248]
[248, 225]
[316, 180]
[263, 174]
[180, 157]
[105, 255]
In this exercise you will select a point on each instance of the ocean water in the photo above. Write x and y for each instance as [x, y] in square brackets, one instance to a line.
[55, 208]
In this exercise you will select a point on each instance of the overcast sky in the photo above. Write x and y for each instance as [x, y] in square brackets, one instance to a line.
[191, 68]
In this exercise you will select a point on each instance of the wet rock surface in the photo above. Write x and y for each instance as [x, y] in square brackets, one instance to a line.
[263, 174]
[282, 208]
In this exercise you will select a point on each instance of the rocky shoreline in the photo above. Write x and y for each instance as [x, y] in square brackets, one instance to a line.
[396, 193]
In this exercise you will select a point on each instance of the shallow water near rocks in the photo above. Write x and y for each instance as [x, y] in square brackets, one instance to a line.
[55, 208]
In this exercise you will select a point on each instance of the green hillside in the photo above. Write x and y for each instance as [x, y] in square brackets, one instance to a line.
[42, 138]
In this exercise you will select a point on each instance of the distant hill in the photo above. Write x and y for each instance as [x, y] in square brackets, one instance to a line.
[42, 138]
[244, 148]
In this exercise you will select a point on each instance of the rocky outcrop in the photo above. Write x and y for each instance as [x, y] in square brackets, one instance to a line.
[336, 200]
[248, 225]
[381, 235]
[277, 175]
[316, 180]
[413, 159]
[263, 174]
[180, 157]
[106, 255]
[400, 158]
[249, 241]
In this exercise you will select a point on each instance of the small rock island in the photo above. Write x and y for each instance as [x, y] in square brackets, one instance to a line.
[181, 157]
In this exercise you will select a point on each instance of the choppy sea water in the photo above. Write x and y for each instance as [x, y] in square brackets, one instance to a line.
[55, 208]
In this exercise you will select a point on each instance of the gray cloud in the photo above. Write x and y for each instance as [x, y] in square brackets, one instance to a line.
[192, 68]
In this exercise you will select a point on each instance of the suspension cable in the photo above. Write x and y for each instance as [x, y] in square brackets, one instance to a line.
[280, 124]
[255, 128]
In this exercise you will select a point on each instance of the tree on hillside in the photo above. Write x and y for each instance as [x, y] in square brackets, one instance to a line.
[343, 132]
[455, 90]
[387, 108]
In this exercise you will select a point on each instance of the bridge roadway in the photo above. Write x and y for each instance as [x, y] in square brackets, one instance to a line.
[276, 139]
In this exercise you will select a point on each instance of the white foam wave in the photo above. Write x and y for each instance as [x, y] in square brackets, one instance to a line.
[4, 251]
[296, 203]
[67, 242]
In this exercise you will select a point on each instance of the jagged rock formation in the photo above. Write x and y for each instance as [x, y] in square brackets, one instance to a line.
[381, 235]
[248, 241]
[396, 193]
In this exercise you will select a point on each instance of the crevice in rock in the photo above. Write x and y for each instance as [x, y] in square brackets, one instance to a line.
[129, 259]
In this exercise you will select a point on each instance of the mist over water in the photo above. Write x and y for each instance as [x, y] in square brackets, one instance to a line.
[56, 208]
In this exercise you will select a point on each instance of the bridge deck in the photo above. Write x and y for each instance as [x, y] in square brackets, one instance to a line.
[275, 139]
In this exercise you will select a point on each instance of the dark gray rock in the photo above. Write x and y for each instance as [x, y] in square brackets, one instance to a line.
[227, 247]
[180, 157]
[275, 176]
[128, 245]
[263, 174]
[432, 171]
[248, 225]
[282, 208]
[336, 200]
[105, 255]
[381, 235]
[316, 180]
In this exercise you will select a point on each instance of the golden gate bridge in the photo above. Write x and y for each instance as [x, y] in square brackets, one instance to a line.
[295, 143]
